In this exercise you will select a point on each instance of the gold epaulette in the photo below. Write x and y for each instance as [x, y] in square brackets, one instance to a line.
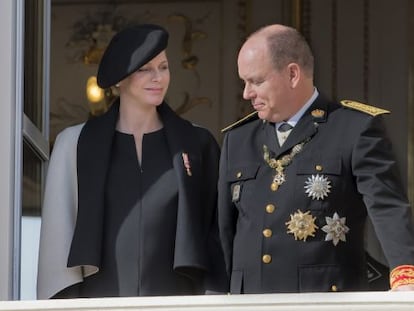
[373, 111]
[241, 121]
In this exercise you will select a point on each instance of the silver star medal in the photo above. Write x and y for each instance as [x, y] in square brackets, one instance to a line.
[317, 187]
[335, 229]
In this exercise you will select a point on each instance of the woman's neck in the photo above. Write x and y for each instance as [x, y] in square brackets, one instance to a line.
[138, 119]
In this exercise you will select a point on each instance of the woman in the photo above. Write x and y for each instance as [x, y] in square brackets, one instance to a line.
[130, 201]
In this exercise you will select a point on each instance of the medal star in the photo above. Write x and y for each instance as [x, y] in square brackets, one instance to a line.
[301, 225]
[317, 187]
[335, 229]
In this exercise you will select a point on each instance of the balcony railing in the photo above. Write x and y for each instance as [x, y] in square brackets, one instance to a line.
[351, 301]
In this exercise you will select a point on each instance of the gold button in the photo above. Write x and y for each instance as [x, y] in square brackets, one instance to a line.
[239, 174]
[266, 258]
[267, 233]
[270, 208]
[334, 288]
[318, 167]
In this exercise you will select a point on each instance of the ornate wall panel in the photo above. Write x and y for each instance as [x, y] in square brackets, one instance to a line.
[204, 38]
[358, 56]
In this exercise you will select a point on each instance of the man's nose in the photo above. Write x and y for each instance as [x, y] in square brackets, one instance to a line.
[247, 92]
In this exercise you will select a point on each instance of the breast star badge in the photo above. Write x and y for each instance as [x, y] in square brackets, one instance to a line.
[335, 229]
[317, 187]
[301, 225]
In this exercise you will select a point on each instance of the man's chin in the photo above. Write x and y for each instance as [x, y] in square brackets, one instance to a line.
[264, 115]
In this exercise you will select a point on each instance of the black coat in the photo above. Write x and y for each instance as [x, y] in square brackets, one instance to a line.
[345, 149]
[197, 250]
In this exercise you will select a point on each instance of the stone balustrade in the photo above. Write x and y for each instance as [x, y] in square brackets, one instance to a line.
[350, 301]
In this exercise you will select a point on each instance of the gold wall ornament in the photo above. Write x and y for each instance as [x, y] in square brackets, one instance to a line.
[100, 39]
[190, 60]
[92, 33]
[302, 225]
[189, 103]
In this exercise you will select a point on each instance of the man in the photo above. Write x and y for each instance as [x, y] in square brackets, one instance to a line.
[293, 205]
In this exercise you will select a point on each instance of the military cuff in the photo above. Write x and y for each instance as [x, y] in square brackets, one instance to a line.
[401, 275]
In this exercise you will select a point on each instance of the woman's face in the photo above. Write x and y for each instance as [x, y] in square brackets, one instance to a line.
[149, 84]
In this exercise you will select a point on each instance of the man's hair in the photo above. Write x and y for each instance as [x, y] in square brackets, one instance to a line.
[289, 46]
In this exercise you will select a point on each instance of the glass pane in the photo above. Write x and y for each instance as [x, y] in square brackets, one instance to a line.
[30, 226]
[33, 65]
[32, 181]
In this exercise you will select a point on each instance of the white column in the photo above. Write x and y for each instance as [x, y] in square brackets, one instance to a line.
[10, 91]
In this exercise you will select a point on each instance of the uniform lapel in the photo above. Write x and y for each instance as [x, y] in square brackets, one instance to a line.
[307, 126]
[270, 136]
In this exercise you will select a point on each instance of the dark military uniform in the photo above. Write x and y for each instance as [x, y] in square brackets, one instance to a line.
[292, 218]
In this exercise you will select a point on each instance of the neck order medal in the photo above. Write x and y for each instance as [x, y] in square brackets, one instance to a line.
[279, 164]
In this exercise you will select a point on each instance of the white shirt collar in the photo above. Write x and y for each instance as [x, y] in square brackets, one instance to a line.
[293, 120]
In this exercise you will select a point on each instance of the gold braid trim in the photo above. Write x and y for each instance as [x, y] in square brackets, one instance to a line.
[240, 122]
[401, 275]
[373, 111]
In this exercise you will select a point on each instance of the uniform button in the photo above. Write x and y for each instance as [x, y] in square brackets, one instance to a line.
[318, 168]
[239, 174]
[267, 233]
[267, 258]
[334, 288]
[270, 208]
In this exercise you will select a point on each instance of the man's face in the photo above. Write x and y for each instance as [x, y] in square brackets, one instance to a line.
[267, 88]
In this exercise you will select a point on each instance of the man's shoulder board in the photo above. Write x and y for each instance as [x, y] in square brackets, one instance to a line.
[373, 111]
[250, 117]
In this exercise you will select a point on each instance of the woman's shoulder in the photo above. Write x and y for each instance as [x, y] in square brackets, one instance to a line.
[72, 130]
[69, 135]
[202, 131]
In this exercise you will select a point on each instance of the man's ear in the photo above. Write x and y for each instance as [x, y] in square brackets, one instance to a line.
[294, 74]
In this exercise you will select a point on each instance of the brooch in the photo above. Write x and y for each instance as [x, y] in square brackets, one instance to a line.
[335, 229]
[279, 164]
[301, 225]
[186, 162]
[317, 187]
[317, 113]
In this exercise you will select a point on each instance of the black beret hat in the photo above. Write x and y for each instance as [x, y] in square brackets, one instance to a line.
[129, 50]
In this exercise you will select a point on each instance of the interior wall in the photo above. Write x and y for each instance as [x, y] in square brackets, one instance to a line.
[358, 56]
[361, 57]
[361, 53]
[204, 37]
